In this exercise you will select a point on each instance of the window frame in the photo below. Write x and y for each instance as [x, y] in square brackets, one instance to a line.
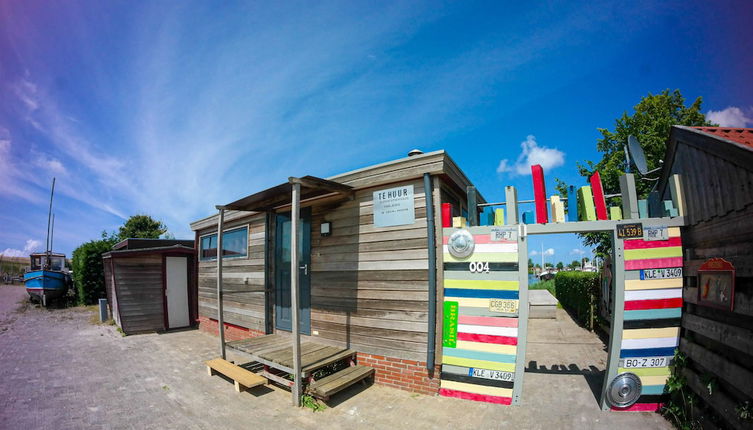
[247, 227]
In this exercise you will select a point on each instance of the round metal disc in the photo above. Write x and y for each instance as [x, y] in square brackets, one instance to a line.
[461, 244]
[624, 390]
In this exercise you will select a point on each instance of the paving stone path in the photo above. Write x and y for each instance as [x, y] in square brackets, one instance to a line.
[61, 371]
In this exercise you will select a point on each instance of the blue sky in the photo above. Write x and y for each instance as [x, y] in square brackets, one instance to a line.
[168, 108]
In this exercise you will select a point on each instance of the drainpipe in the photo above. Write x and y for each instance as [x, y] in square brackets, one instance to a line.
[431, 242]
[220, 322]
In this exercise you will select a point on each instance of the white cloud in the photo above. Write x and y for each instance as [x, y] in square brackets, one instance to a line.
[547, 252]
[730, 117]
[531, 153]
[31, 246]
[577, 251]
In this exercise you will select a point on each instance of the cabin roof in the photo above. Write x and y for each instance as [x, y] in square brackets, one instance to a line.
[742, 136]
[403, 169]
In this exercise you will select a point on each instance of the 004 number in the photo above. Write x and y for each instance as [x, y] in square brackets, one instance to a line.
[478, 267]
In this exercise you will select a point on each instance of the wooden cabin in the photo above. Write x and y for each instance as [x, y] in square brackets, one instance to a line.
[365, 278]
[150, 284]
[716, 166]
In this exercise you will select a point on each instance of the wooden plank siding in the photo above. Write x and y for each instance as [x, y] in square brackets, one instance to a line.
[369, 285]
[140, 296]
[718, 180]
[243, 278]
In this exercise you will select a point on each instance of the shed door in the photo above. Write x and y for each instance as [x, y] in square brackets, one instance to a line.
[177, 291]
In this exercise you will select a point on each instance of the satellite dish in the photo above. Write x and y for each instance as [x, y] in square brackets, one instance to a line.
[636, 153]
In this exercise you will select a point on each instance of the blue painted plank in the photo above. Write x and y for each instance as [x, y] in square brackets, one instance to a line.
[653, 314]
[528, 217]
[647, 352]
[479, 355]
[643, 208]
[480, 294]
[572, 204]
[652, 389]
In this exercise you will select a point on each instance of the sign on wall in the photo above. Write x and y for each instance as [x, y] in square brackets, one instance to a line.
[716, 284]
[394, 206]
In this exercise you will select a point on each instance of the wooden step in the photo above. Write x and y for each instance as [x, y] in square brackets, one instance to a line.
[325, 387]
[243, 378]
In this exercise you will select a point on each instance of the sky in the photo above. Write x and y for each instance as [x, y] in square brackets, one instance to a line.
[168, 108]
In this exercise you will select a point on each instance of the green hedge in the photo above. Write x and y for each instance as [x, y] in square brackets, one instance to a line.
[579, 292]
[88, 270]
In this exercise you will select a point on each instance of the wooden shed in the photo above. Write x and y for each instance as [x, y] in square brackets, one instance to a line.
[150, 284]
[716, 166]
[368, 259]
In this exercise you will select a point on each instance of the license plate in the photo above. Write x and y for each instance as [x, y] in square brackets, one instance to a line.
[503, 305]
[633, 363]
[630, 231]
[491, 374]
[499, 234]
[674, 272]
[655, 233]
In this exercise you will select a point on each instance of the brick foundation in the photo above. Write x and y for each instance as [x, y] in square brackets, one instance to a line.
[232, 331]
[406, 375]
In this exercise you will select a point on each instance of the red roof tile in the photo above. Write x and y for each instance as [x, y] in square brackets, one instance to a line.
[743, 136]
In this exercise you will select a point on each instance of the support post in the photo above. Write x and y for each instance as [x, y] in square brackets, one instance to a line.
[295, 217]
[432, 247]
[618, 314]
[220, 322]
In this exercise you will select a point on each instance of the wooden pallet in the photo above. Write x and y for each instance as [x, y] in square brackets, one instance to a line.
[243, 378]
[325, 387]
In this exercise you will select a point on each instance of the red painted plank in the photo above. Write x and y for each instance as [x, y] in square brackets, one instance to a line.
[475, 397]
[640, 305]
[649, 244]
[653, 263]
[488, 321]
[539, 193]
[640, 407]
[599, 200]
[446, 214]
[488, 338]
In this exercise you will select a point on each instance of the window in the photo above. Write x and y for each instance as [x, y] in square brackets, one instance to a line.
[234, 244]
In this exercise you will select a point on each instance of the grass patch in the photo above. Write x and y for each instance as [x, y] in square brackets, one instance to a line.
[312, 403]
[543, 285]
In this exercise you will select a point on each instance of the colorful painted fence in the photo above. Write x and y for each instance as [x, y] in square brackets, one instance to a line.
[652, 311]
[481, 302]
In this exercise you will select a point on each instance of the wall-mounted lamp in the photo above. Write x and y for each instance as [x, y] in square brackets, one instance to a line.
[326, 228]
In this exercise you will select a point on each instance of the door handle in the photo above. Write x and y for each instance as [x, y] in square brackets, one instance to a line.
[305, 268]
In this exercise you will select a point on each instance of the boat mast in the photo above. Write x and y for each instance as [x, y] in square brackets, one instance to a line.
[52, 232]
[49, 216]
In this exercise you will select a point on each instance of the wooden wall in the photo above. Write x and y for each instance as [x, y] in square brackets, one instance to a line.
[369, 285]
[718, 343]
[243, 279]
[140, 298]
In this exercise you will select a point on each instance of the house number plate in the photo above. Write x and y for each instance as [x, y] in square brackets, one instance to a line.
[503, 305]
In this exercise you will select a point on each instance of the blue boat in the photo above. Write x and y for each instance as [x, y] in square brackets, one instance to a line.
[47, 278]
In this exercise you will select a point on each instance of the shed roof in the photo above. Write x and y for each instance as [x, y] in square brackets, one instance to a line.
[145, 251]
[141, 243]
[743, 136]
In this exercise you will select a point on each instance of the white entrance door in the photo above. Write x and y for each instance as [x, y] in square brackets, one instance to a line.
[177, 291]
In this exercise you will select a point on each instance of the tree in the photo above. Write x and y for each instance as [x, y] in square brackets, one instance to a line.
[88, 270]
[142, 226]
[650, 122]
[575, 264]
[530, 265]
[560, 266]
